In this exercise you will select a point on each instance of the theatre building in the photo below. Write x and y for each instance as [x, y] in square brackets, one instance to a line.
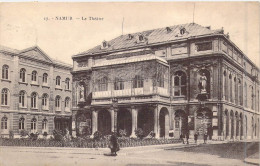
[35, 92]
[180, 79]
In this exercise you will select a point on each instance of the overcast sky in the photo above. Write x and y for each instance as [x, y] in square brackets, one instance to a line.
[22, 25]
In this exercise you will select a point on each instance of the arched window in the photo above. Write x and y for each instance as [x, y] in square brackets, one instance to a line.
[67, 104]
[179, 84]
[240, 98]
[21, 123]
[235, 89]
[119, 84]
[22, 99]
[45, 79]
[138, 82]
[33, 124]
[58, 103]
[252, 97]
[5, 97]
[44, 124]
[102, 84]
[4, 122]
[34, 100]
[245, 88]
[45, 101]
[58, 81]
[67, 83]
[225, 85]
[5, 72]
[230, 87]
[22, 75]
[34, 76]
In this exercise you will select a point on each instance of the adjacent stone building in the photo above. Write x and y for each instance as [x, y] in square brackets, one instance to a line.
[36, 92]
[172, 80]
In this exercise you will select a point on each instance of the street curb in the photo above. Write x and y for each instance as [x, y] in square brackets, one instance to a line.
[252, 161]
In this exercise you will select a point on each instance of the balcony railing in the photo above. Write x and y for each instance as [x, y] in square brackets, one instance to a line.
[131, 92]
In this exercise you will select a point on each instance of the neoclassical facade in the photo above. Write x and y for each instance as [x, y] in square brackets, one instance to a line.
[173, 80]
[36, 92]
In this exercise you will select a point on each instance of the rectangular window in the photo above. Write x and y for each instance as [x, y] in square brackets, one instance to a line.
[204, 46]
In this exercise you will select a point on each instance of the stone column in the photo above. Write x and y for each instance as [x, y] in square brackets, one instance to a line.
[238, 130]
[229, 127]
[112, 114]
[73, 119]
[156, 122]
[134, 113]
[235, 127]
[94, 121]
[224, 127]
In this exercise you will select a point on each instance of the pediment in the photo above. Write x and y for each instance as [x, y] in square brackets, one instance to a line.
[36, 53]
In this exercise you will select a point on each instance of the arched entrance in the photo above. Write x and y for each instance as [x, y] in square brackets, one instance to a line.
[164, 122]
[104, 122]
[204, 122]
[124, 121]
[145, 121]
[181, 123]
[241, 126]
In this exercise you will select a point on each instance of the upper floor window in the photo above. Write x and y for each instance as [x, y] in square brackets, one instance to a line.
[34, 76]
[45, 78]
[45, 101]
[67, 104]
[119, 84]
[33, 124]
[44, 124]
[67, 83]
[22, 75]
[179, 86]
[252, 98]
[5, 72]
[22, 99]
[21, 123]
[4, 122]
[58, 103]
[204, 46]
[5, 97]
[245, 87]
[58, 81]
[161, 80]
[138, 82]
[102, 85]
[34, 97]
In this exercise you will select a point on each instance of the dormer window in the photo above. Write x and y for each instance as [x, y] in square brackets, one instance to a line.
[104, 45]
[168, 29]
[130, 36]
[182, 31]
[141, 38]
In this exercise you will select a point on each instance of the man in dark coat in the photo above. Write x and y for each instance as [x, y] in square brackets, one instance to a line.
[114, 147]
[195, 137]
[187, 137]
[205, 137]
[182, 138]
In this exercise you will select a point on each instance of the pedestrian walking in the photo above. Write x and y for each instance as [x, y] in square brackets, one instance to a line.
[182, 138]
[114, 147]
[187, 137]
[196, 137]
[205, 137]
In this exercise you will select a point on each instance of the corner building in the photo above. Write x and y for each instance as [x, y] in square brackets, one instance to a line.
[36, 92]
[173, 80]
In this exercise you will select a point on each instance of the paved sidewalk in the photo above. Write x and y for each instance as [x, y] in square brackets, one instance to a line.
[102, 151]
[253, 159]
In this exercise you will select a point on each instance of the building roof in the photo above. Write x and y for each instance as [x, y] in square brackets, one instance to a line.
[35, 53]
[7, 49]
[155, 36]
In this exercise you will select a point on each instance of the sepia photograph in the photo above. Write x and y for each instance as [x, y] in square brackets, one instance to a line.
[129, 83]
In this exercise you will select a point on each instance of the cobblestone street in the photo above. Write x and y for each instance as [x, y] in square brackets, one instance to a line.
[186, 155]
